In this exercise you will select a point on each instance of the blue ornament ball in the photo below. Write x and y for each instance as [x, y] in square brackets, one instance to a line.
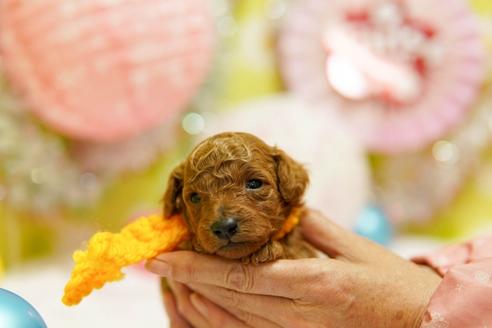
[16, 312]
[374, 225]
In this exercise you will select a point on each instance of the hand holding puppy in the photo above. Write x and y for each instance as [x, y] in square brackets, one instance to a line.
[361, 283]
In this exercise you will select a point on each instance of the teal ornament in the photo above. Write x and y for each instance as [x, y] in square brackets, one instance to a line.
[16, 312]
[374, 225]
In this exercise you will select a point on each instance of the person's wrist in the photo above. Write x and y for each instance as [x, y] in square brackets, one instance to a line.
[419, 316]
[433, 280]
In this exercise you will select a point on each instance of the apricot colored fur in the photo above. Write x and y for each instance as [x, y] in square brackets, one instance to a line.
[218, 170]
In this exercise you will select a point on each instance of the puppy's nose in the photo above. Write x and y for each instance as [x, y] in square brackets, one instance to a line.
[224, 228]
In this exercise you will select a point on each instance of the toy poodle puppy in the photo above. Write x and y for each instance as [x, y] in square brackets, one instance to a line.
[235, 192]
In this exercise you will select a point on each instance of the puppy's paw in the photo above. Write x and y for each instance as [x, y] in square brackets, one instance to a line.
[270, 252]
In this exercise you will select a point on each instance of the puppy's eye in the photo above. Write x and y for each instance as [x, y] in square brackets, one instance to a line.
[254, 184]
[195, 198]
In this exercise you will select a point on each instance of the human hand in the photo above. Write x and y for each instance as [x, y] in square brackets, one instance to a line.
[187, 309]
[360, 284]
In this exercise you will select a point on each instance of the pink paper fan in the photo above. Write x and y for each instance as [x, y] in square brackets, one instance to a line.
[402, 72]
[105, 70]
[414, 187]
[339, 175]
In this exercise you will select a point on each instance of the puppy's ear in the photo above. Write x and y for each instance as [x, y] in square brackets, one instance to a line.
[292, 178]
[172, 197]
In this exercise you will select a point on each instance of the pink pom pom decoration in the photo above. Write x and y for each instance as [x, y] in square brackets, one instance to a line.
[403, 73]
[336, 162]
[106, 70]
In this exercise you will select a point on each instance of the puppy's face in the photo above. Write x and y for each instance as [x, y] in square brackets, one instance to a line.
[234, 192]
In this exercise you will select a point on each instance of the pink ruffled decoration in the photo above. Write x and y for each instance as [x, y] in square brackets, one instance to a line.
[106, 70]
[414, 187]
[403, 73]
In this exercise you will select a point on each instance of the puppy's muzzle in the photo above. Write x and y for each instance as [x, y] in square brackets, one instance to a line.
[225, 228]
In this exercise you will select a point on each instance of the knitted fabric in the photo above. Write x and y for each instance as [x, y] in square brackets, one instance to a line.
[108, 253]
[290, 223]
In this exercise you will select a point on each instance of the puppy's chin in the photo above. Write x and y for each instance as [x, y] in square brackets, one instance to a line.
[234, 251]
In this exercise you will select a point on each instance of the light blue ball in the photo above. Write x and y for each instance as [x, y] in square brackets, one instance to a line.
[374, 225]
[15, 312]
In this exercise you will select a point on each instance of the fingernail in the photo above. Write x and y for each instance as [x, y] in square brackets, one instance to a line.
[158, 267]
[199, 305]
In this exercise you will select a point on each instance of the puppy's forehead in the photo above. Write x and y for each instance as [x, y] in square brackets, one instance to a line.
[224, 148]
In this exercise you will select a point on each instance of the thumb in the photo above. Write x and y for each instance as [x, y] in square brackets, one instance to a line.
[332, 239]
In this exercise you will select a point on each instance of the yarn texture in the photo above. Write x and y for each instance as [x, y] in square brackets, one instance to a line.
[107, 253]
[290, 223]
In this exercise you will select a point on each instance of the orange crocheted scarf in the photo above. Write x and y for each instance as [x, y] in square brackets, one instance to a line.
[289, 224]
[107, 253]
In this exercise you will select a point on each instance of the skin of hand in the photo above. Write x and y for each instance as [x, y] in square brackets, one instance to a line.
[358, 283]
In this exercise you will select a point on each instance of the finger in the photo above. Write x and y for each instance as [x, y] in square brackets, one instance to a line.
[252, 319]
[217, 316]
[255, 310]
[175, 319]
[185, 308]
[332, 239]
[188, 267]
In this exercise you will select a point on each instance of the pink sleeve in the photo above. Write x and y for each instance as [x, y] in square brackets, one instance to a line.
[464, 298]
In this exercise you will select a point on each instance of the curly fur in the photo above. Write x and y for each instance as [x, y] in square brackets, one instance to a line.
[217, 169]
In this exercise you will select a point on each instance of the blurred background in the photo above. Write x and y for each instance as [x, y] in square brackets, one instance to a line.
[388, 103]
